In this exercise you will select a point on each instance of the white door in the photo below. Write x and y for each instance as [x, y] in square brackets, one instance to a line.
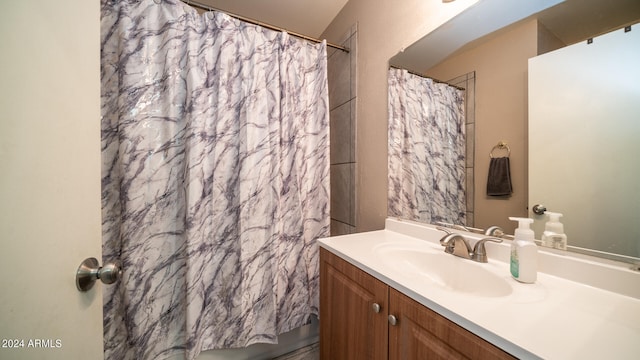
[49, 178]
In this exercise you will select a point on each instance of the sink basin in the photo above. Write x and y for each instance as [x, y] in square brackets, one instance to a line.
[444, 270]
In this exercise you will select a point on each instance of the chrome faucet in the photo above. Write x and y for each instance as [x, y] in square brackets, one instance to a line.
[497, 232]
[457, 245]
[479, 252]
[494, 231]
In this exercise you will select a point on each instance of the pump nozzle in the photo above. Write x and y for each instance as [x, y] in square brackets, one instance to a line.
[554, 217]
[523, 231]
[554, 223]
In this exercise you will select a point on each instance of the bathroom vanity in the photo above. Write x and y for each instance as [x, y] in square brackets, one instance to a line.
[364, 318]
[395, 294]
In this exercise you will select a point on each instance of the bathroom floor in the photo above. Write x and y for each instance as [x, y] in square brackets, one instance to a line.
[311, 352]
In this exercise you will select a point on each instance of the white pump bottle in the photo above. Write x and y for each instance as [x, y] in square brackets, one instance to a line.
[524, 252]
[553, 235]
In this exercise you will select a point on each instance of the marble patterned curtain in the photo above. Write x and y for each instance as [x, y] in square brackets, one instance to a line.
[426, 149]
[215, 180]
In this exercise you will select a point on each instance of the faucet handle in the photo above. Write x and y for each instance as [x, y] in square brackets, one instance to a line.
[444, 240]
[442, 228]
[449, 240]
[479, 252]
[494, 231]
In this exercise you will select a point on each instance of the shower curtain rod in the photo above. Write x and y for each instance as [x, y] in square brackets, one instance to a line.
[427, 77]
[205, 7]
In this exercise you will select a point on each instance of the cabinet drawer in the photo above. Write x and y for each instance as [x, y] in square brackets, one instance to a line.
[421, 333]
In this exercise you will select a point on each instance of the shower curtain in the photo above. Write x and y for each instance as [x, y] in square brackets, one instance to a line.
[215, 179]
[426, 149]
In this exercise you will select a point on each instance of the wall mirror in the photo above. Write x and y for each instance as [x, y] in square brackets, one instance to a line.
[561, 23]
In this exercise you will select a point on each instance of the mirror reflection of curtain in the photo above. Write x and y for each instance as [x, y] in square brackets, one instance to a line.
[426, 149]
[215, 182]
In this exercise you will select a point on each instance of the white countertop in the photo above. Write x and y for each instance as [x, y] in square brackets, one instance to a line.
[555, 318]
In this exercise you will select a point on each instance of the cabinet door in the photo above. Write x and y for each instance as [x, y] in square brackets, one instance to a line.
[420, 333]
[350, 328]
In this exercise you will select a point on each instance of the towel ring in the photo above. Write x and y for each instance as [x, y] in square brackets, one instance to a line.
[500, 146]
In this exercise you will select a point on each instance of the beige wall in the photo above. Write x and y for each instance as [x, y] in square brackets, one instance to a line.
[501, 114]
[384, 27]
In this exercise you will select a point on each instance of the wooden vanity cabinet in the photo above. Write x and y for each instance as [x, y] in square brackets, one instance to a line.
[350, 327]
[421, 333]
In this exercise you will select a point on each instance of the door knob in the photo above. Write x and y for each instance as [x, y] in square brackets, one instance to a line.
[539, 209]
[393, 320]
[90, 270]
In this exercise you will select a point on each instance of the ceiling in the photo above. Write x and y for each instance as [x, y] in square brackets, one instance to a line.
[311, 17]
[307, 17]
[570, 20]
[589, 18]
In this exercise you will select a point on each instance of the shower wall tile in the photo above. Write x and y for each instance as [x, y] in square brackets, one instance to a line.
[470, 219]
[471, 133]
[470, 113]
[339, 228]
[471, 98]
[353, 55]
[344, 39]
[353, 121]
[341, 136]
[342, 99]
[470, 195]
[352, 193]
[330, 52]
[468, 82]
[340, 193]
[339, 77]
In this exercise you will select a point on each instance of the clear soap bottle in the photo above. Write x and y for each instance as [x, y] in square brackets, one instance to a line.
[524, 252]
[553, 235]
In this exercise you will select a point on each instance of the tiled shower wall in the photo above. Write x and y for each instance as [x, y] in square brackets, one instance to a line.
[342, 101]
[468, 82]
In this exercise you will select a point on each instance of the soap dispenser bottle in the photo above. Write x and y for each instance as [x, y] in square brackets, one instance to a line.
[524, 252]
[553, 235]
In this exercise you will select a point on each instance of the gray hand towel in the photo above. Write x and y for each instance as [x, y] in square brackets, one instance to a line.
[499, 181]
